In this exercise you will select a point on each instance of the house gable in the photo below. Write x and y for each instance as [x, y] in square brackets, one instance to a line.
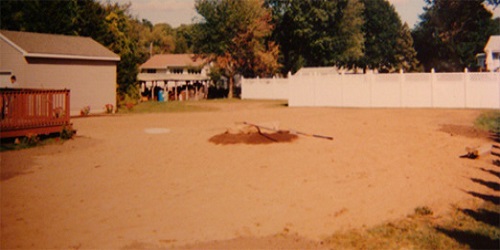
[493, 44]
[492, 51]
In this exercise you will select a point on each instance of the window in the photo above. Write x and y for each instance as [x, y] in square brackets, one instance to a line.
[177, 70]
[194, 71]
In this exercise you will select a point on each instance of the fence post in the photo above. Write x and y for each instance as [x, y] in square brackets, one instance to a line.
[51, 104]
[401, 85]
[433, 80]
[274, 89]
[67, 108]
[342, 88]
[466, 82]
[371, 80]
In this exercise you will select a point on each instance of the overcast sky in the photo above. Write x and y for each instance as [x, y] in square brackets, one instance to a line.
[177, 12]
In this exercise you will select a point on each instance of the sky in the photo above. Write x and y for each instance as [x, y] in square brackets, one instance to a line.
[177, 12]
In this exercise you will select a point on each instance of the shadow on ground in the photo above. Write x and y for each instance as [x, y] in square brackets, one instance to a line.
[485, 219]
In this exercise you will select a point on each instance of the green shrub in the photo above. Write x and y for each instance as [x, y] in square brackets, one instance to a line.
[67, 132]
[30, 140]
[489, 121]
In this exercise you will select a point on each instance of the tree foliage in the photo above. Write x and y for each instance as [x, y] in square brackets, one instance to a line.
[184, 39]
[26, 16]
[382, 31]
[365, 34]
[234, 35]
[452, 32]
[406, 55]
[317, 33]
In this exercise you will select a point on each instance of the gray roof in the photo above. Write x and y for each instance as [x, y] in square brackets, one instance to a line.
[57, 46]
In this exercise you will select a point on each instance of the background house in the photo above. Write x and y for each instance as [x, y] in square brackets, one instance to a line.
[492, 51]
[177, 76]
[46, 61]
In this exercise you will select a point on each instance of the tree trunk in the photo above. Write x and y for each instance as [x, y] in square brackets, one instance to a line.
[231, 87]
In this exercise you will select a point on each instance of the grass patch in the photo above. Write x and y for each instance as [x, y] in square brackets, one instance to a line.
[193, 106]
[164, 107]
[463, 229]
[489, 121]
[34, 140]
[30, 141]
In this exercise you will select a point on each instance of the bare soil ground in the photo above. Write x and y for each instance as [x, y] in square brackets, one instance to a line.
[119, 186]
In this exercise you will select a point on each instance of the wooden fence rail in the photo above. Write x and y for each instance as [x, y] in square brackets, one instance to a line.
[33, 111]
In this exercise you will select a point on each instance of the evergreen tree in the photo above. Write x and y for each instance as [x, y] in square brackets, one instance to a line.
[406, 56]
[382, 30]
[351, 32]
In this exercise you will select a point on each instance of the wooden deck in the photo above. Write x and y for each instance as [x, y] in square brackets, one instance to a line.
[33, 111]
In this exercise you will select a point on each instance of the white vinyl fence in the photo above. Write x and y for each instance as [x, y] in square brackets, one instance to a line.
[265, 89]
[441, 90]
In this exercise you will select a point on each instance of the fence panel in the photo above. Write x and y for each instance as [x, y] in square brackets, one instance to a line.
[267, 89]
[483, 90]
[356, 91]
[386, 90]
[328, 91]
[441, 90]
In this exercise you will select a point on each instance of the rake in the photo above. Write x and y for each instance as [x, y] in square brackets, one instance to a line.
[291, 131]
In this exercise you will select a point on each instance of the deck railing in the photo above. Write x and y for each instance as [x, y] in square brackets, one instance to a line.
[33, 111]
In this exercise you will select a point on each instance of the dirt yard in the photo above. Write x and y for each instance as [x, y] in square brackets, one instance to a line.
[155, 181]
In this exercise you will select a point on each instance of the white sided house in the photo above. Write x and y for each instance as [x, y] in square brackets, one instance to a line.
[174, 77]
[47, 61]
[492, 51]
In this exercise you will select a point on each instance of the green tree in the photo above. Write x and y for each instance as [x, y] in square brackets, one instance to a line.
[452, 32]
[317, 33]
[163, 39]
[234, 35]
[184, 39]
[351, 32]
[53, 17]
[90, 21]
[382, 30]
[406, 55]
[122, 39]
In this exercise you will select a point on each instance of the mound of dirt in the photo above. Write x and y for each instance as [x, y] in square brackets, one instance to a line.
[466, 131]
[228, 138]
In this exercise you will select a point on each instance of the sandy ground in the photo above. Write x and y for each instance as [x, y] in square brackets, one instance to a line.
[117, 187]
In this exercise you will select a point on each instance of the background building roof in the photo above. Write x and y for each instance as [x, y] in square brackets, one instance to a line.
[57, 46]
[172, 60]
